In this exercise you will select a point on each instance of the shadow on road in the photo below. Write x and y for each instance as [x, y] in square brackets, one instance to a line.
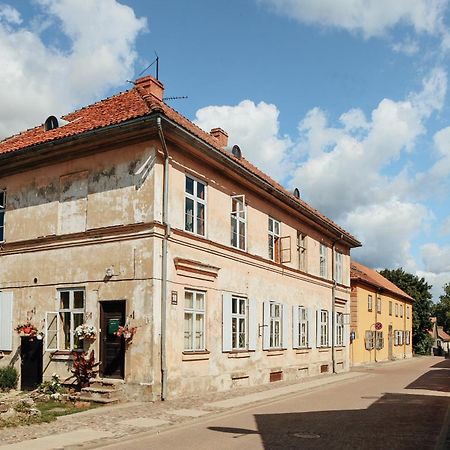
[394, 422]
[433, 380]
[445, 364]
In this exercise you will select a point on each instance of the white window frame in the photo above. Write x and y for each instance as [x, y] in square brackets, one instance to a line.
[48, 323]
[236, 319]
[2, 215]
[195, 312]
[408, 337]
[369, 302]
[6, 320]
[339, 329]
[369, 340]
[396, 310]
[274, 239]
[323, 328]
[401, 310]
[72, 311]
[302, 252]
[196, 201]
[239, 217]
[323, 261]
[379, 340]
[390, 308]
[339, 264]
[378, 305]
[303, 327]
[275, 339]
[407, 311]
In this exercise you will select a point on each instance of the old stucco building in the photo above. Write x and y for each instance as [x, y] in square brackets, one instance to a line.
[129, 214]
[381, 318]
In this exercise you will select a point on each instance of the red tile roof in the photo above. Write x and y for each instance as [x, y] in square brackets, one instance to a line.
[359, 272]
[442, 334]
[129, 105]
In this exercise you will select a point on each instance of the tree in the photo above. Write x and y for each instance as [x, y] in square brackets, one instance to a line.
[420, 291]
[442, 309]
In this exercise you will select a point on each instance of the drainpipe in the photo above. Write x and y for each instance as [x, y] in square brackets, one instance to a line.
[333, 305]
[165, 211]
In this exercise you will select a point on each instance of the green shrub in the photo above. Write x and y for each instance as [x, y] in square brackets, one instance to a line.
[8, 378]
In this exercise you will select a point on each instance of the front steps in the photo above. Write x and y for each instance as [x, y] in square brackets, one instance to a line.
[103, 390]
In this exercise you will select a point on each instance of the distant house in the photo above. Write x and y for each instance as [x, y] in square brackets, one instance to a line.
[381, 318]
[128, 214]
[441, 340]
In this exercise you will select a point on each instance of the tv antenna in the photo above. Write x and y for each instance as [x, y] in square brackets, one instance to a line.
[156, 60]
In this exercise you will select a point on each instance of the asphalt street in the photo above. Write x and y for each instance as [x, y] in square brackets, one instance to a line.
[394, 406]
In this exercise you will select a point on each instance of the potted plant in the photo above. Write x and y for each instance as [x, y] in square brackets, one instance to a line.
[127, 332]
[85, 331]
[26, 329]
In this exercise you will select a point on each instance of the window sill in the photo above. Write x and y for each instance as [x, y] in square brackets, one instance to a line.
[64, 355]
[324, 349]
[195, 355]
[239, 354]
[275, 352]
[302, 351]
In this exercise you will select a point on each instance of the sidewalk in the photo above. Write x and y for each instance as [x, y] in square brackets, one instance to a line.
[109, 423]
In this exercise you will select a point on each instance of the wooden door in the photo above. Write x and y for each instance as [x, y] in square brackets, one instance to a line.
[31, 364]
[112, 347]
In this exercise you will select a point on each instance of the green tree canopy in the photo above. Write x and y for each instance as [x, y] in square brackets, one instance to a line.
[420, 291]
[442, 309]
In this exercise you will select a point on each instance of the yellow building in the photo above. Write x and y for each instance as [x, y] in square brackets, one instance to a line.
[381, 318]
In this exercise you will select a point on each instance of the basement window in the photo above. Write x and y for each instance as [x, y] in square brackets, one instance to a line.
[2, 215]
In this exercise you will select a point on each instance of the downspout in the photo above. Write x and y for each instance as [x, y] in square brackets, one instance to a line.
[333, 305]
[165, 213]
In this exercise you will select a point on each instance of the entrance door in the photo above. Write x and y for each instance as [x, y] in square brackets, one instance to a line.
[390, 343]
[112, 347]
[31, 352]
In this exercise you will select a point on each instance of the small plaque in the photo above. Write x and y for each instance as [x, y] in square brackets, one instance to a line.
[174, 298]
[113, 326]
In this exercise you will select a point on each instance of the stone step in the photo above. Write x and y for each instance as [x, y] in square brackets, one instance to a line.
[106, 382]
[95, 395]
[109, 401]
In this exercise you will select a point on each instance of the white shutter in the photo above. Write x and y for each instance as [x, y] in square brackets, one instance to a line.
[311, 327]
[226, 322]
[329, 330]
[317, 327]
[346, 331]
[295, 342]
[266, 327]
[6, 316]
[252, 324]
[284, 326]
[334, 330]
[51, 331]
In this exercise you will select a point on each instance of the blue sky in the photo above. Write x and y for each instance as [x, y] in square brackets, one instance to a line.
[346, 100]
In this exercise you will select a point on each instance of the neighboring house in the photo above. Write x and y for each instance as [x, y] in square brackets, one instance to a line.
[381, 318]
[441, 340]
[129, 214]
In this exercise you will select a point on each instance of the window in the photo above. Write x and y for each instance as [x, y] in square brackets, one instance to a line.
[274, 240]
[396, 310]
[323, 328]
[238, 323]
[407, 312]
[369, 303]
[379, 340]
[303, 326]
[323, 261]
[6, 320]
[275, 325]
[238, 222]
[195, 206]
[378, 305]
[407, 337]
[401, 310]
[390, 308]
[369, 340]
[338, 267]
[339, 329]
[194, 320]
[301, 249]
[71, 313]
[2, 215]
[398, 334]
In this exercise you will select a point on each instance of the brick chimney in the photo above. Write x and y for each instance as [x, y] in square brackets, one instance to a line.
[220, 135]
[150, 88]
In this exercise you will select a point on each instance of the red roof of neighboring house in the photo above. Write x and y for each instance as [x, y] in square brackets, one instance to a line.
[442, 334]
[132, 104]
[365, 274]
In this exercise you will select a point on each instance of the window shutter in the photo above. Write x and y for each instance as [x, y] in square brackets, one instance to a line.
[329, 330]
[285, 249]
[266, 327]
[226, 322]
[284, 326]
[252, 324]
[318, 328]
[346, 331]
[334, 330]
[311, 327]
[6, 316]
[295, 342]
[51, 331]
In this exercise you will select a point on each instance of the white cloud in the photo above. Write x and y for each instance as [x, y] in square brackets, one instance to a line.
[40, 79]
[436, 258]
[370, 17]
[437, 280]
[255, 128]
[408, 47]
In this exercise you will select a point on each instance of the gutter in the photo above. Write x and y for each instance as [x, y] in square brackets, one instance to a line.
[165, 213]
